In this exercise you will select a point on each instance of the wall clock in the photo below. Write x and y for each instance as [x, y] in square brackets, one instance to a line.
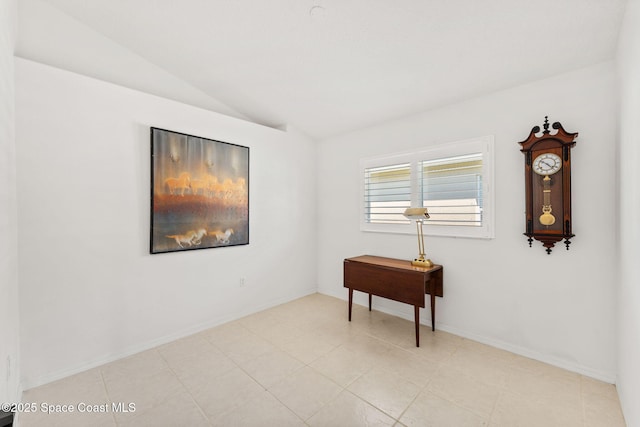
[547, 177]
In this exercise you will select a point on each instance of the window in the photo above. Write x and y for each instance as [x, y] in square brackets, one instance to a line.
[452, 190]
[387, 193]
[454, 181]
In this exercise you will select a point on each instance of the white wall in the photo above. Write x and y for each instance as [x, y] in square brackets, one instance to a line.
[628, 314]
[90, 291]
[9, 345]
[559, 308]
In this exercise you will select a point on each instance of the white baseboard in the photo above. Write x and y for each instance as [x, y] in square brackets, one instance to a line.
[608, 377]
[28, 383]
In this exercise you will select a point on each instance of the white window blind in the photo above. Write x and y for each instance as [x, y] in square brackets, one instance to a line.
[452, 190]
[387, 193]
[453, 181]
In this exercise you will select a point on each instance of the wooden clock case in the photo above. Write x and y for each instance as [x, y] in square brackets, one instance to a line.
[560, 144]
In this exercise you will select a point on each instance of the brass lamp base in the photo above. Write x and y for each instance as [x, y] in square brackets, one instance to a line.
[421, 262]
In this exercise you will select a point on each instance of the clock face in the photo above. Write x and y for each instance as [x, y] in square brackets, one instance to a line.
[547, 164]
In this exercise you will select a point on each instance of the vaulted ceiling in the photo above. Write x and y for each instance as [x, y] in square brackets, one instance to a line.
[325, 67]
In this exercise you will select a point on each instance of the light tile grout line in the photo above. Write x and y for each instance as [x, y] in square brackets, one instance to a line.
[260, 384]
[283, 379]
[106, 392]
[305, 364]
[461, 406]
[346, 388]
[186, 389]
[425, 387]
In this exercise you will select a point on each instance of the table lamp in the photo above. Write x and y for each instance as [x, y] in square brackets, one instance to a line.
[419, 215]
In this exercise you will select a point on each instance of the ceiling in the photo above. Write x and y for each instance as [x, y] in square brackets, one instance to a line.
[325, 67]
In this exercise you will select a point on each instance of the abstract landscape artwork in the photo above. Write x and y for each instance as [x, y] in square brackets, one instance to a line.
[199, 193]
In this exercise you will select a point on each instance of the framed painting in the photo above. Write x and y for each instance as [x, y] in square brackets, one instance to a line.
[199, 193]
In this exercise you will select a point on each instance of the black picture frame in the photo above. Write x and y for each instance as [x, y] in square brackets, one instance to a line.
[199, 193]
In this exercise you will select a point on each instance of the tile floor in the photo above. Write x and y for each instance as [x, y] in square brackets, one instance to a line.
[302, 363]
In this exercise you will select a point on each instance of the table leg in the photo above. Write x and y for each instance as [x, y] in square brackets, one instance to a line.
[350, 302]
[369, 302]
[417, 316]
[433, 309]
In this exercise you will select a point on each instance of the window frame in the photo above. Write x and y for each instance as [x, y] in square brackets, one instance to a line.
[483, 145]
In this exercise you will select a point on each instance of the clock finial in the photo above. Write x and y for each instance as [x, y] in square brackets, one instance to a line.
[546, 124]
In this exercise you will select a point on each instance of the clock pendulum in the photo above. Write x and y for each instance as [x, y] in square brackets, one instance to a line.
[546, 165]
[547, 218]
